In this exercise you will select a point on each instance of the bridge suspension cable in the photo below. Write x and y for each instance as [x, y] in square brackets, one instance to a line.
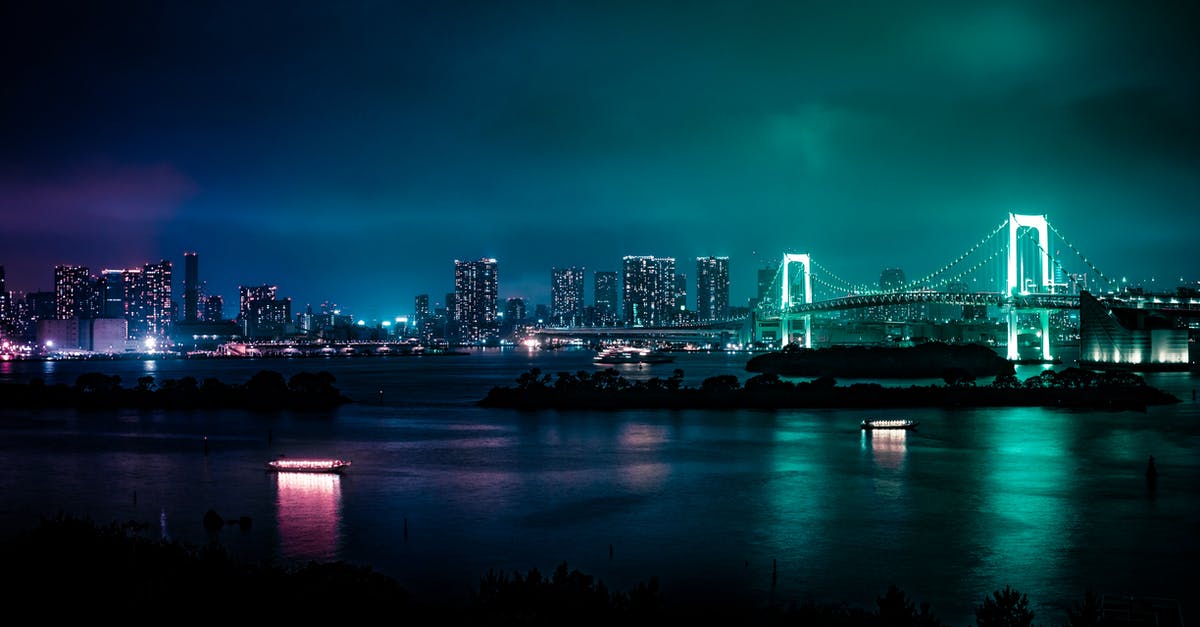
[925, 279]
[846, 285]
[1075, 250]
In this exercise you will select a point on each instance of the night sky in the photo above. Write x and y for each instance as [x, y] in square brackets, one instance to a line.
[350, 151]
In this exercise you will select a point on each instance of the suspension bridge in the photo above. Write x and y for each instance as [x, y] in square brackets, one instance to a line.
[1011, 267]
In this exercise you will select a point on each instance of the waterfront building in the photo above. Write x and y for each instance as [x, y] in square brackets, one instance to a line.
[648, 290]
[891, 280]
[604, 297]
[261, 313]
[74, 292]
[191, 287]
[566, 296]
[148, 300]
[475, 292]
[712, 288]
[514, 310]
[214, 308]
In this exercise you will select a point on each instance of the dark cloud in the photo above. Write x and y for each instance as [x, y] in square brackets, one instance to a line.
[371, 143]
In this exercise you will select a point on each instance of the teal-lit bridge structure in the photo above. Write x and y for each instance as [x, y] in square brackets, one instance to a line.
[1012, 268]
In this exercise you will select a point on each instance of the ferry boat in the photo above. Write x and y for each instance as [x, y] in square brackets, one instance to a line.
[631, 355]
[287, 464]
[871, 424]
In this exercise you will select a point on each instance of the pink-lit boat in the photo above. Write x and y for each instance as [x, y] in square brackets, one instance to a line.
[289, 464]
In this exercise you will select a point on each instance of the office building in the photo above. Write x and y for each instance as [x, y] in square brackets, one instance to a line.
[475, 292]
[604, 295]
[712, 288]
[74, 293]
[191, 288]
[648, 292]
[566, 296]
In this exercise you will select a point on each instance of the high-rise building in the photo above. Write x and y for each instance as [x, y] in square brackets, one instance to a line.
[214, 308]
[712, 288]
[566, 296]
[604, 293]
[421, 307]
[5, 302]
[514, 310]
[191, 288]
[648, 290]
[112, 293]
[249, 297]
[74, 292]
[261, 313]
[766, 276]
[147, 299]
[891, 280]
[475, 290]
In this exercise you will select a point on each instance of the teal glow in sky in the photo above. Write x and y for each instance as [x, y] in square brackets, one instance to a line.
[351, 151]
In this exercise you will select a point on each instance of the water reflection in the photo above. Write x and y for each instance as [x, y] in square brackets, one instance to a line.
[888, 447]
[310, 510]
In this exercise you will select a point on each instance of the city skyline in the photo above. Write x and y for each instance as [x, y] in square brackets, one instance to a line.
[349, 153]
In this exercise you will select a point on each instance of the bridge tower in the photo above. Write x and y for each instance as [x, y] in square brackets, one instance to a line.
[786, 317]
[1021, 280]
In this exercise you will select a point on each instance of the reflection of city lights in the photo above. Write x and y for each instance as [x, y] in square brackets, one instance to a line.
[309, 511]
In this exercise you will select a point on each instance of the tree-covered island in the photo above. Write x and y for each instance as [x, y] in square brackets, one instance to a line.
[607, 389]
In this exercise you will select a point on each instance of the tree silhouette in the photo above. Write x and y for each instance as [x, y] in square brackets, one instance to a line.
[1005, 608]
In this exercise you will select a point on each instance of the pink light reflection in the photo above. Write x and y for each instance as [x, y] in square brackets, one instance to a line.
[889, 447]
[309, 509]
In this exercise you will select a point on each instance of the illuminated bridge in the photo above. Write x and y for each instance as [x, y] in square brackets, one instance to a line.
[1010, 268]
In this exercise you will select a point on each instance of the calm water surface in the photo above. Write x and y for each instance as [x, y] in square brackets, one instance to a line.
[441, 491]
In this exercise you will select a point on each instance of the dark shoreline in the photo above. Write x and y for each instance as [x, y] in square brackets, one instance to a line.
[119, 570]
[265, 391]
[1071, 389]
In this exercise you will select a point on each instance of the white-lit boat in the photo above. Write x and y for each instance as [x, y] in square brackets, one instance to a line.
[631, 355]
[289, 464]
[872, 424]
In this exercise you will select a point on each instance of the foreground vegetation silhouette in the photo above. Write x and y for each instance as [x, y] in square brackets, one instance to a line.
[266, 390]
[607, 389]
[114, 570]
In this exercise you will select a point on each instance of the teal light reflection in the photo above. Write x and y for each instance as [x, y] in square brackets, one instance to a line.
[1025, 520]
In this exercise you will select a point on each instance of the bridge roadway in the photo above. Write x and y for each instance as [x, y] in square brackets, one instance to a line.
[1023, 301]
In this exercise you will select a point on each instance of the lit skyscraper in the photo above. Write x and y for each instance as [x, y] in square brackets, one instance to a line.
[148, 299]
[514, 310]
[566, 296]
[890, 280]
[648, 290]
[604, 291]
[712, 288]
[4, 306]
[475, 291]
[191, 287]
[214, 308]
[73, 292]
[249, 297]
[112, 293]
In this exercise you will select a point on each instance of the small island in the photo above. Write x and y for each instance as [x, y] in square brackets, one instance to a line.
[265, 391]
[922, 361]
[607, 389]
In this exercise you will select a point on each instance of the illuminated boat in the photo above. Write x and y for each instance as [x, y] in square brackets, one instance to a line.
[871, 424]
[631, 355]
[287, 464]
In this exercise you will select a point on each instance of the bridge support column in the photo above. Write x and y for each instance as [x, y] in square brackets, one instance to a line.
[785, 303]
[1046, 335]
[1014, 351]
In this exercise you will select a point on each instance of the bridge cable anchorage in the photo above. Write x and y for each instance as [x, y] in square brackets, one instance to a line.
[1077, 252]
